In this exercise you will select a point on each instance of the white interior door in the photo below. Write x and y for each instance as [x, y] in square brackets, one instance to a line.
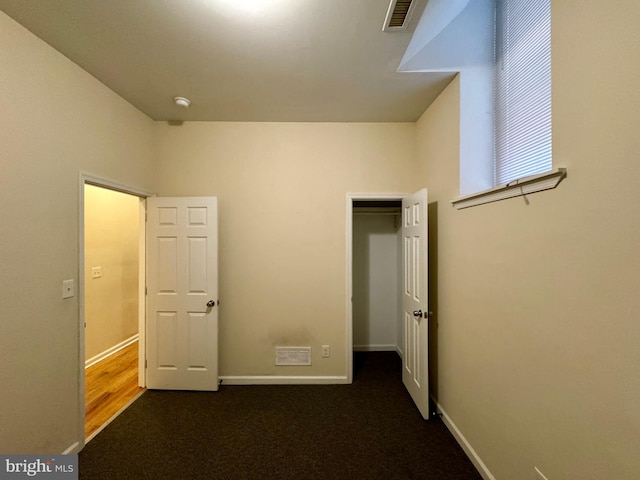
[415, 368]
[182, 293]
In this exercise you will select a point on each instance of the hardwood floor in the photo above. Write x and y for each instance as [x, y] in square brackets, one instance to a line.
[110, 385]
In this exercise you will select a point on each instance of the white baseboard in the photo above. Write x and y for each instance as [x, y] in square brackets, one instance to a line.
[110, 351]
[73, 449]
[281, 380]
[464, 443]
[375, 348]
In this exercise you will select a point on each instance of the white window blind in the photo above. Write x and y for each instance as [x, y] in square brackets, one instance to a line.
[522, 89]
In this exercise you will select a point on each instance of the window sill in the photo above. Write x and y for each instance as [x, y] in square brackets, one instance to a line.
[515, 188]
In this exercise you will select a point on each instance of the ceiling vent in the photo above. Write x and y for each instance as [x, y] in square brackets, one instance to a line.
[398, 15]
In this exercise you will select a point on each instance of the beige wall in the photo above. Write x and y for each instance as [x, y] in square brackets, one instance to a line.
[111, 242]
[537, 337]
[56, 121]
[282, 199]
[536, 344]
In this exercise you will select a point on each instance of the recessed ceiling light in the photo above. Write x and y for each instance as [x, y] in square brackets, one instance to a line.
[182, 102]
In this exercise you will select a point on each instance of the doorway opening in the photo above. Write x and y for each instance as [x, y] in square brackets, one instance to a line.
[412, 328]
[377, 275]
[111, 301]
[374, 274]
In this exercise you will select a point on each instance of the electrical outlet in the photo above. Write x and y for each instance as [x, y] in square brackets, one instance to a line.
[96, 272]
[326, 351]
[538, 474]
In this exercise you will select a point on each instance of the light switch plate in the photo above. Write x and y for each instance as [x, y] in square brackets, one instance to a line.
[68, 288]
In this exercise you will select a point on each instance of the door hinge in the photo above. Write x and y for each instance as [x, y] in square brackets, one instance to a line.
[145, 363]
[145, 290]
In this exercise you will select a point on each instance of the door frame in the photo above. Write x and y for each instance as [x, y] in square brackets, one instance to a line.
[88, 179]
[352, 197]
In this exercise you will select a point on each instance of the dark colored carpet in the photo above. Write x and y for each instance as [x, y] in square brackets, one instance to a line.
[367, 430]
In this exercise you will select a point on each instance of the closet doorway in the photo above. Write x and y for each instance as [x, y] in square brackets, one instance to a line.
[365, 214]
[387, 300]
[377, 274]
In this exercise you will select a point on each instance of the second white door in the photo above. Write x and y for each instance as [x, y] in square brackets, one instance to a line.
[182, 293]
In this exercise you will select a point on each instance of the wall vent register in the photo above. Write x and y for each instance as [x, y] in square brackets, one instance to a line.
[398, 15]
[293, 355]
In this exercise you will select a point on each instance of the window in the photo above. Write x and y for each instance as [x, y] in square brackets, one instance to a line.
[522, 111]
[521, 160]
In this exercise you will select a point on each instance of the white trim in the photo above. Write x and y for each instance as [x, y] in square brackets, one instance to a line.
[142, 293]
[375, 348]
[351, 197]
[113, 417]
[282, 380]
[110, 351]
[83, 179]
[112, 185]
[73, 449]
[464, 443]
[349, 289]
[516, 188]
[539, 474]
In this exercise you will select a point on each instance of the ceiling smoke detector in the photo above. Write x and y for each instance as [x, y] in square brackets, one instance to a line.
[182, 102]
[398, 15]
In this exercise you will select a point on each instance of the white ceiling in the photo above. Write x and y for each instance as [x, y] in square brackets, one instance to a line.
[240, 60]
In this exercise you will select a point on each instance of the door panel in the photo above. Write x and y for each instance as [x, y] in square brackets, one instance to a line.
[182, 276]
[414, 303]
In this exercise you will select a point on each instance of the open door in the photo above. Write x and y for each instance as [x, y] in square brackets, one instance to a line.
[182, 293]
[415, 368]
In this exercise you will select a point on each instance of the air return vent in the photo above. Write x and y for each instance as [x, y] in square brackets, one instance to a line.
[293, 355]
[398, 15]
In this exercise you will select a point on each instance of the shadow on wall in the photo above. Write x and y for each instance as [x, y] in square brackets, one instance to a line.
[433, 297]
